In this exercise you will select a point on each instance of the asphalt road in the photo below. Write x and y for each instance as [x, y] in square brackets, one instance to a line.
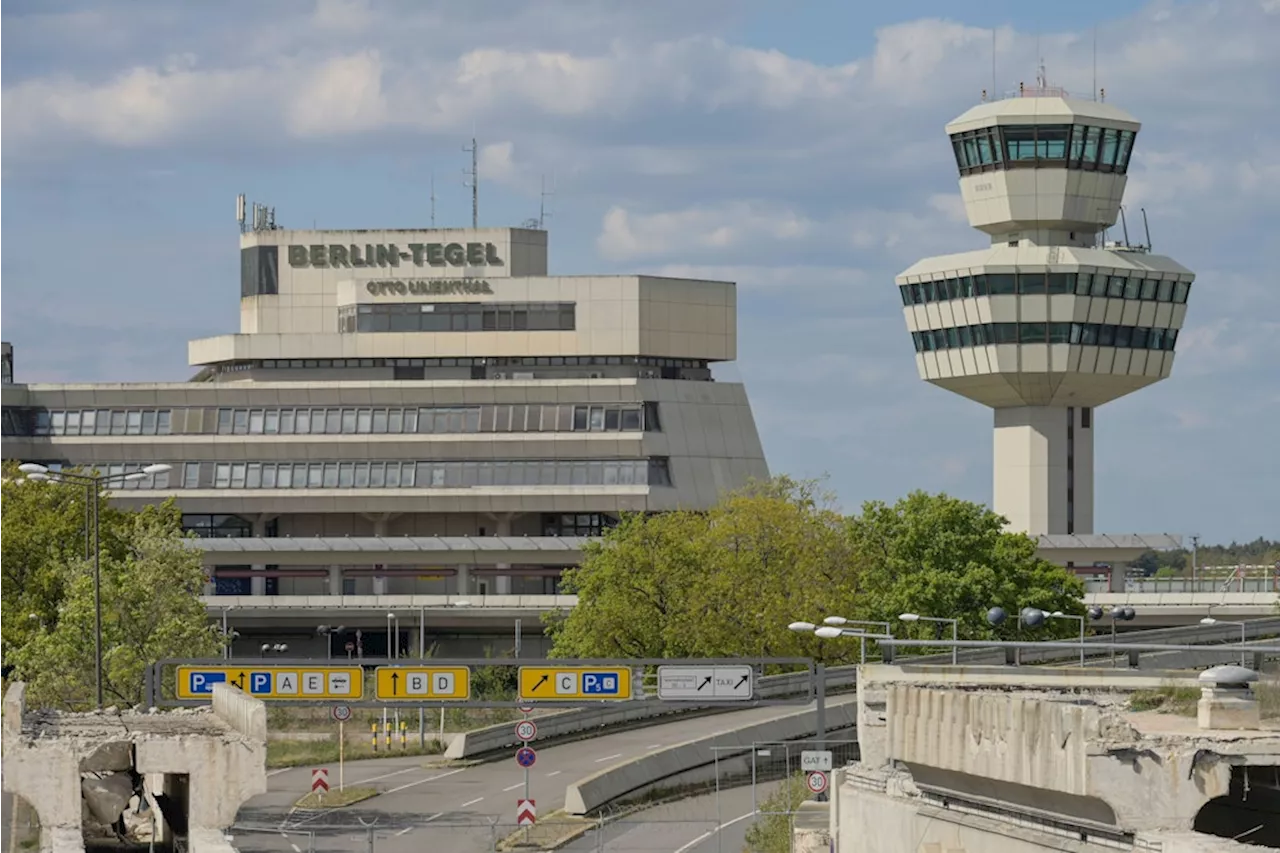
[695, 825]
[463, 808]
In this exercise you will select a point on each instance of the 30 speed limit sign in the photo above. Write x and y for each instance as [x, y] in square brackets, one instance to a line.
[526, 730]
[341, 713]
[817, 781]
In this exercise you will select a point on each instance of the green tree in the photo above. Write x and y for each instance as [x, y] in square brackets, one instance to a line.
[43, 529]
[150, 610]
[772, 830]
[940, 556]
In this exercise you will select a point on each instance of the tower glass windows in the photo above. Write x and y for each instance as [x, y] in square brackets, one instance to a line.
[1102, 284]
[1075, 146]
[1086, 334]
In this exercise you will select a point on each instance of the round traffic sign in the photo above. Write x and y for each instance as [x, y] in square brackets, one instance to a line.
[817, 781]
[341, 713]
[525, 756]
[525, 708]
[526, 730]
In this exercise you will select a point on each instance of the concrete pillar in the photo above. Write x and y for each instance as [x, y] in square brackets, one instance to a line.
[464, 580]
[1043, 468]
[258, 585]
[502, 583]
[380, 529]
[335, 580]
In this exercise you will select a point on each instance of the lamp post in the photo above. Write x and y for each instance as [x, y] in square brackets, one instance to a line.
[278, 648]
[92, 484]
[1124, 614]
[833, 629]
[955, 628]
[1209, 620]
[1058, 614]
[327, 631]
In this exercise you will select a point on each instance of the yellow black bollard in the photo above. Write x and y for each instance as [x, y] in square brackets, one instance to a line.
[374, 727]
[386, 734]
[404, 733]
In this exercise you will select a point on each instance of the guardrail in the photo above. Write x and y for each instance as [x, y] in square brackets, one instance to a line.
[590, 721]
[696, 761]
[1224, 635]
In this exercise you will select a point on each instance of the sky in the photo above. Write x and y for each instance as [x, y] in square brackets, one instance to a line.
[796, 148]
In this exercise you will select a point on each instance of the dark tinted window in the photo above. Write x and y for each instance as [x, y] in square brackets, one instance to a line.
[259, 271]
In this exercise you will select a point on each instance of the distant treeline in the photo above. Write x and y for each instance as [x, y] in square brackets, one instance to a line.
[1259, 552]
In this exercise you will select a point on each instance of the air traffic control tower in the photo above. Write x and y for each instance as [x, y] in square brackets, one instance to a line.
[1051, 320]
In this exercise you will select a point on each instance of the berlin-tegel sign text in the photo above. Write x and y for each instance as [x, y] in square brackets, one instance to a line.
[390, 255]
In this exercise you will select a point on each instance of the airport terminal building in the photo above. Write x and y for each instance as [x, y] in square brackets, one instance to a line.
[413, 431]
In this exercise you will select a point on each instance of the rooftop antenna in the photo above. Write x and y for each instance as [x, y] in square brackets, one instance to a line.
[433, 199]
[1095, 62]
[1146, 227]
[993, 63]
[473, 181]
[240, 211]
[1124, 224]
[542, 203]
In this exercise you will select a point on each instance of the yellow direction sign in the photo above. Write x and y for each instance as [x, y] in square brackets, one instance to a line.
[590, 682]
[273, 682]
[422, 682]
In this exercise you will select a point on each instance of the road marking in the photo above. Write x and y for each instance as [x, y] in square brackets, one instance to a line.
[405, 831]
[609, 757]
[296, 848]
[279, 770]
[704, 836]
[387, 775]
[654, 746]
[433, 817]
[513, 787]
[423, 781]
[554, 773]
[470, 802]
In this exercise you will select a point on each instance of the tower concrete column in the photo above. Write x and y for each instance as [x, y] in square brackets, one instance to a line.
[1043, 469]
[501, 582]
[380, 529]
[257, 584]
[335, 580]
[464, 580]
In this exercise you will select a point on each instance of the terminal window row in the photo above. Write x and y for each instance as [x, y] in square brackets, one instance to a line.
[654, 471]
[352, 421]
[457, 317]
[1071, 146]
[1109, 284]
[425, 475]
[1089, 334]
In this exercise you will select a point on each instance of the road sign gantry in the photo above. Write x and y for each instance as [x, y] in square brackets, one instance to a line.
[566, 682]
[714, 683]
[273, 682]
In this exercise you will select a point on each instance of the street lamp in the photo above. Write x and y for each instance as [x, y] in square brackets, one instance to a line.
[327, 631]
[93, 484]
[1209, 620]
[393, 649]
[278, 648]
[1058, 614]
[955, 628]
[1124, 614]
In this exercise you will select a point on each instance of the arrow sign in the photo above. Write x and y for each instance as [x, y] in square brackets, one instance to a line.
[541, 681]
[705, 682]
[746, 679]
[526, 813]
[395, 684]
[319, 780]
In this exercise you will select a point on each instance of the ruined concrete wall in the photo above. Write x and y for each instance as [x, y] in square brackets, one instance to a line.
[49, 780]
[876, 812]
[243, 713]
[1153, 788]
[872, 695]
[1024, 741]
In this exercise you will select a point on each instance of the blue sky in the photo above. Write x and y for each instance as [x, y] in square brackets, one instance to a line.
[796, 148]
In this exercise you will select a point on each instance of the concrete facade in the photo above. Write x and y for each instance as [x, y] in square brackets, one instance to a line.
[1053, 319]
[80, 771]
[983, 760]
[418, 384]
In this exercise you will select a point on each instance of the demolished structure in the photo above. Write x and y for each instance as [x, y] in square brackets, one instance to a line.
[1000, 761]
[106, 777]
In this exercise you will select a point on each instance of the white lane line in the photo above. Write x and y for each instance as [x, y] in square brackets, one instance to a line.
[433, 817]
[654, 746]
[704, 836]
[405, 831]
[296, 848]
[423, 781]
[609, 757]
[279, 770]
[387, 775]
[554, 773]
[470, 802]
[513, 787]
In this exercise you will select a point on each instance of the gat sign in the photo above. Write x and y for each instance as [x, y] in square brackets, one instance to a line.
[390, 255]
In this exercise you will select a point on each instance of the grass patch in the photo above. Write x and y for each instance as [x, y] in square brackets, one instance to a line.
[554, 830]
[1167, 699]
[295, 753]
[336, 799]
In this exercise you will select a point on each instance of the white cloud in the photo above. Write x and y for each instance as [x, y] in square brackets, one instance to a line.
[626, 236]
[344, 93]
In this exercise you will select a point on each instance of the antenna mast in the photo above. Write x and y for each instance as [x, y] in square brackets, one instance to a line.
[473, 181]
[993, 64]
[433, 199]
[542, 203]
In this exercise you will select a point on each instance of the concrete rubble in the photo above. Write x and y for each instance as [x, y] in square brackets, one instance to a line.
[116, 774]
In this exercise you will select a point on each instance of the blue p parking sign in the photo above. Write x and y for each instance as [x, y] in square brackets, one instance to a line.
[260, 682]
[202, 682]
[600, 683]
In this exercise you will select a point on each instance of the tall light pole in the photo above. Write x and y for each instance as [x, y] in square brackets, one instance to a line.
[955, 628]
[93, 484]
[1209, 620]
[1058, 614]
